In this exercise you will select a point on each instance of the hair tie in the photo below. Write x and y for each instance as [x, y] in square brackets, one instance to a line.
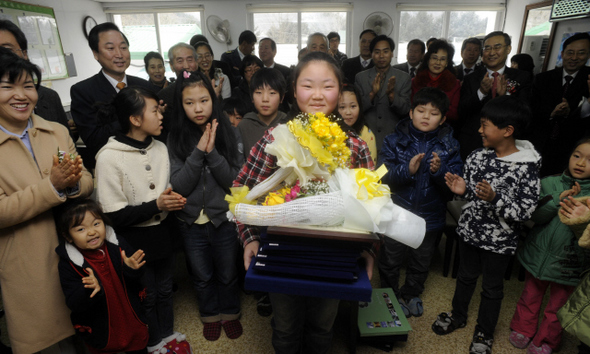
[186, 74]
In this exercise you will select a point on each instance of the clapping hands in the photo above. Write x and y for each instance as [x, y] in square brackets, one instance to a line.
[207, 142]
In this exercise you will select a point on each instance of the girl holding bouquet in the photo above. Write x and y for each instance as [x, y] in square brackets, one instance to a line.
[205, 156]
[301, 323]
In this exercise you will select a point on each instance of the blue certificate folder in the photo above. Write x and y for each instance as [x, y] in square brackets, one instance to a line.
[301, 264]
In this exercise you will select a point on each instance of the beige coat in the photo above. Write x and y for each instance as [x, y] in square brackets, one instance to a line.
[36, 311]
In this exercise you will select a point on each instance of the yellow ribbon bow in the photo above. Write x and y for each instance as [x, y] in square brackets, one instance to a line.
[369, 182]
[238, 195]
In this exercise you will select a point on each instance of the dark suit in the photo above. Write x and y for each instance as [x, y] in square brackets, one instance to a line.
[50, 108]
[555, 138]
[461, 75]
[232, 58]
[226, 69]
[402, 66]
[286, 71]
[285, 105]
[470, 105]
[352, 66]
[87, 96]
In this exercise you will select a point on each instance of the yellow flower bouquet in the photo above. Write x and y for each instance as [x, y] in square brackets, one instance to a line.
[315, 186]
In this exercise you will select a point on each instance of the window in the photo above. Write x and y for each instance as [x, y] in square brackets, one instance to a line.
[155, 31]
[289, 27]
[452, 24]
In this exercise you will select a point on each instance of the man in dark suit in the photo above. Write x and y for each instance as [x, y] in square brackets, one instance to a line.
[49, 105]
[225, 68]
[470, 52]
[416, 49]
[385, 90]
[483, 85]
[246, 43]
[352, 66]
[561, 105]
[267, 50]
[111, 50]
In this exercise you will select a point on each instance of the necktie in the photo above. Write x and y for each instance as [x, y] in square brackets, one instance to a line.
[495, 84]
[568, 81]
[365, 63]
[412, 72]
[121, 85]
[467, 71]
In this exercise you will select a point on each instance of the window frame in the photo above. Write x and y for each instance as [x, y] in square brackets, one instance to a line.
[500, 8]
[299, 9]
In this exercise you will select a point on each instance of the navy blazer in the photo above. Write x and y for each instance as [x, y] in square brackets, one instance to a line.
[87, 96]
[232, 58]
[470, 105]
[555, 138]
[352, 66]
[49, 107]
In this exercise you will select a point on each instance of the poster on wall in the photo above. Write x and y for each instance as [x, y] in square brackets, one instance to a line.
[40, 27]
[559, 58]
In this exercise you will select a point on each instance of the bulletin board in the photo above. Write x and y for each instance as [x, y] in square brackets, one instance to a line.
[44, 44]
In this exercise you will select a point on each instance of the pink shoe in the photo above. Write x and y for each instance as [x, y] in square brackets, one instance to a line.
[543, 349]
[518, 340]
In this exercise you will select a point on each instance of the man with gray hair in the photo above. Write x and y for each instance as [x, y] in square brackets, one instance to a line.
[317, 42]
[182, 57]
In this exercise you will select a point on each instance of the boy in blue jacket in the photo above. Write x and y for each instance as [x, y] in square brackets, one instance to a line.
[418, 155]
[501, 184]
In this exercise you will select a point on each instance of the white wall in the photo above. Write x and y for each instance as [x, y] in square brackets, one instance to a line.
[69, 15]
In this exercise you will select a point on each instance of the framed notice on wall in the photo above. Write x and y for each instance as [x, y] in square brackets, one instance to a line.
[44, 44]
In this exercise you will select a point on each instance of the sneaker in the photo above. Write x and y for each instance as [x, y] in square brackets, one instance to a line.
[263, 306]
[415, 307]
[445, 324]
[481, 344]
[404, 307]
[519, 340]
[543, 349]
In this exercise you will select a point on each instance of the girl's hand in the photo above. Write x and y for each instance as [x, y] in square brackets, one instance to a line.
[61, 175]
[484, 191]
[572, 208]
[250, 251]
[204, 141]
[455, 183]
[90, 282]
[570, 192]
[212, 132]
[415, 163]
[170, 201]
[135, 261]
[434, 163]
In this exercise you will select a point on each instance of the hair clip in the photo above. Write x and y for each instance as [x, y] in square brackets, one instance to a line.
[186, 74]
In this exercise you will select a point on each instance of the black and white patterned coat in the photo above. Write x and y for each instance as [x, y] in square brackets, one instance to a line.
[494, 226]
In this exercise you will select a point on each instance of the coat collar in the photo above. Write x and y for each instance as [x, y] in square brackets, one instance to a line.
[446, 81]
[38, 124]
[76, 256]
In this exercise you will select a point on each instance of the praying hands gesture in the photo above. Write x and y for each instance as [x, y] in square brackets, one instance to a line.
[90, 282]
[135, 261]
[572, 208]
[207, 142]
[66, 173]
[170, 201]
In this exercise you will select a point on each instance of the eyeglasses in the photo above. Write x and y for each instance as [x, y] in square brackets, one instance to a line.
[206, 56]
[496, 48]
[439, 60]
